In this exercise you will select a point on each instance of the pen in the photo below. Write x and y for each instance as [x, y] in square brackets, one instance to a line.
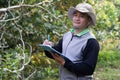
[48, 37]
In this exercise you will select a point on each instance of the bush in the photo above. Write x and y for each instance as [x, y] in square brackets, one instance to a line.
[108, 58]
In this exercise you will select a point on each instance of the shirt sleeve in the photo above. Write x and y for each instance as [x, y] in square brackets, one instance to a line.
[57, 47]
[87, 66]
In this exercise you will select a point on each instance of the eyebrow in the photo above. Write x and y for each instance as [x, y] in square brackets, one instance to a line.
[85, 14]
[75, 12]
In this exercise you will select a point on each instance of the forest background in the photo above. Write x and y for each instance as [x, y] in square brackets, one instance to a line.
[26, 23]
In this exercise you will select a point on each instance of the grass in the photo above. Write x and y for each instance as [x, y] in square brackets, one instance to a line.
[107, 74]
[108, 67]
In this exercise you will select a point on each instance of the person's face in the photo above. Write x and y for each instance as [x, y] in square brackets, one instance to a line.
[80, 20]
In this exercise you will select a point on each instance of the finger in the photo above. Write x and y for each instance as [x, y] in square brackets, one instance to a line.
[53, 55]
[56, 55]
[45, 42]
[50, 43]
[57, 58]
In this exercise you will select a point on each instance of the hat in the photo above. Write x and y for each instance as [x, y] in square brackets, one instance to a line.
[84, 8]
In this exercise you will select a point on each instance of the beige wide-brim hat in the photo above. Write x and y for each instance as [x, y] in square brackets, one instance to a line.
[83, 8]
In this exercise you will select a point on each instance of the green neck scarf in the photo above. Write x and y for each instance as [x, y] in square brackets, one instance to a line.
[81, 33]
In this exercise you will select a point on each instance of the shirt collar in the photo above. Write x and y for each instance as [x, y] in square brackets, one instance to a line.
[81, 33]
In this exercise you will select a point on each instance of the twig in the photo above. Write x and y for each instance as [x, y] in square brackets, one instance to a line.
[31, 74]
[24, 5]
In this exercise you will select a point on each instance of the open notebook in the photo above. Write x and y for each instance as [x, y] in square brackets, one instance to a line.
[51, 50]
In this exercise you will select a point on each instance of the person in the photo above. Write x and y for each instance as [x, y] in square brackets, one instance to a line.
[79, 45]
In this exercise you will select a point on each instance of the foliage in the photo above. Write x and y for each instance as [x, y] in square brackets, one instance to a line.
[24, 27]
[108, 65]
[107, 20]
[107, 58]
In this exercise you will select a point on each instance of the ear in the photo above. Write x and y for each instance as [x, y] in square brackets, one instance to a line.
[89, 22]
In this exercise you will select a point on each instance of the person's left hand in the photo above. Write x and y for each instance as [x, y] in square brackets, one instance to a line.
[59, 59]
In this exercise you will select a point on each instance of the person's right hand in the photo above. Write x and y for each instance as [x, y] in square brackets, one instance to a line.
[46, 42]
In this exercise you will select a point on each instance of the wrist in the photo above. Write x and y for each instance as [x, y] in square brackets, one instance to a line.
[63, 63]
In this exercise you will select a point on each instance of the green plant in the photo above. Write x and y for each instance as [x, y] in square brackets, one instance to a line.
[27, 23]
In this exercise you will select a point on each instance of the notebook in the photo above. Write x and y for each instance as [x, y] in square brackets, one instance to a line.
[51, 50]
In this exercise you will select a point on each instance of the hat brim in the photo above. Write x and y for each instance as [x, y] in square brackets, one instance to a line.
[92, 15]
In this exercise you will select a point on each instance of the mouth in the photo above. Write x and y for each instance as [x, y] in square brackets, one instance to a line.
[77, 22]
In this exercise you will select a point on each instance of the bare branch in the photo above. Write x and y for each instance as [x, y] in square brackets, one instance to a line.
[24, 5]
[4, 18]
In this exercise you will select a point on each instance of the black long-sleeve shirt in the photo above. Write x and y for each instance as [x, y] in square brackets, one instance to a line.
[87, 66]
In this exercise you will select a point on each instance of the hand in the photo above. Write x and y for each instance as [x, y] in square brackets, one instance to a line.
[46, 42]
[59, 59]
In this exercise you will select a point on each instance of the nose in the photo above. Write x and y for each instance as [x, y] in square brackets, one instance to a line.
[77, 18]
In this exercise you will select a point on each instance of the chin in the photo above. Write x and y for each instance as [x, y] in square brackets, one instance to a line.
[76, 27]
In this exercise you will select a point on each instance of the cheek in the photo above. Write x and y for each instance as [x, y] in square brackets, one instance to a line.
[73, 19]
[84, 21]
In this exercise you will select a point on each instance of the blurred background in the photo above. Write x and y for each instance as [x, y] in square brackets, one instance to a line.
[26, 23]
